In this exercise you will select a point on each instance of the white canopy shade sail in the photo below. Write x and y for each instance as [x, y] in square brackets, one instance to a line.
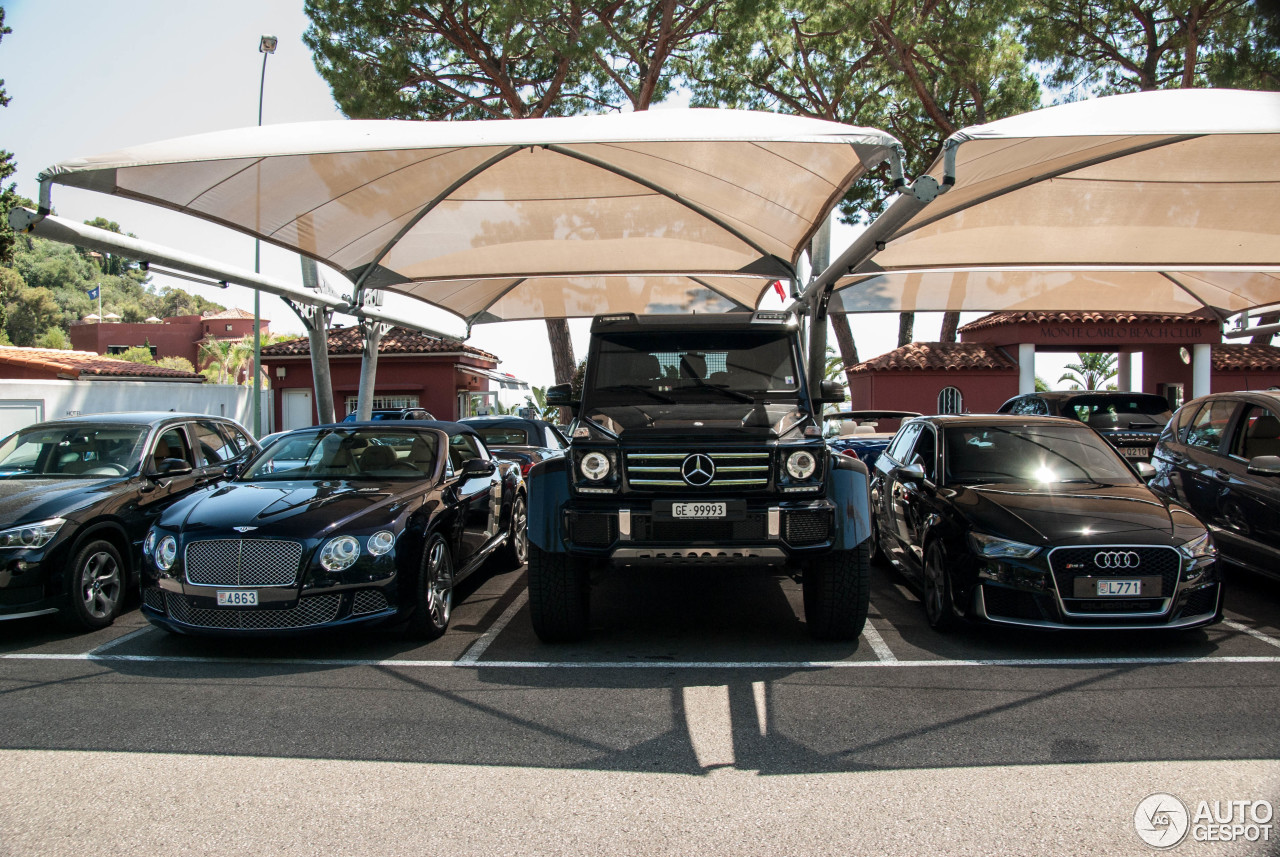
[1157, 201]
[489, 219]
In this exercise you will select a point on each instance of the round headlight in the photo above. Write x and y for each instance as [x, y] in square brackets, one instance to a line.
[595, 466]
[381, 542]
[340, 554]
[801, 464]
[166, 553]
[150, 544]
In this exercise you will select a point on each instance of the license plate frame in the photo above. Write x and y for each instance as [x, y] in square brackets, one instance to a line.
[1148, 586]
[237, 597]
[700, 510]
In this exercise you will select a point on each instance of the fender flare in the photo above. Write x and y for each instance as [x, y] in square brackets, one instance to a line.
[548, 494]
[850, 491]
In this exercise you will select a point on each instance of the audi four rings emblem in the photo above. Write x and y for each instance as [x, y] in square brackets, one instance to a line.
[1116, 559]
[698, 470]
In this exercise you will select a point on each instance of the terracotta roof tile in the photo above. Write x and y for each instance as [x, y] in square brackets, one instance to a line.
[229, 313]
[999, 319]
[934, 356]
[86, 364]
[1244, 356]
[399, 340]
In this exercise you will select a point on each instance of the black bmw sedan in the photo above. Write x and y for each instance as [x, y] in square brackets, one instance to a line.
[1037, 521]
[347, 524]
[77, 496]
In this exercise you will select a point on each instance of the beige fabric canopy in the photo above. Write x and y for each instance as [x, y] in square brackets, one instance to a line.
[519, 219]
[1157, 201]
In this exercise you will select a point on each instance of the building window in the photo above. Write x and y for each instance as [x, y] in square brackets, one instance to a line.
[384, 403]
[950, 401]
[228, 328]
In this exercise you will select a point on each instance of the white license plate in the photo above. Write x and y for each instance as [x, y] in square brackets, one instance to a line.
[1131, 588]
[237, 598]
[698, 510]
[1135, 452]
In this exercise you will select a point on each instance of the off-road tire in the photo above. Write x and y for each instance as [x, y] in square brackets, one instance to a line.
[837, 592]
[559, 596]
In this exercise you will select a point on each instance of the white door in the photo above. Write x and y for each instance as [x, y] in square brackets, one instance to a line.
[296, 405]
[19, 413]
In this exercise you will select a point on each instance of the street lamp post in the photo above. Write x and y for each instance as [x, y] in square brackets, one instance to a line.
[266, 47]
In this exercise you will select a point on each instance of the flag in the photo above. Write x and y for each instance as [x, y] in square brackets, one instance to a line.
[93, 293]
[777, 287]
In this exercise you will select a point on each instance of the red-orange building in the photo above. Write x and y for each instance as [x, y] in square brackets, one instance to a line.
[414, 370]
[1182, 356]
[176, 336]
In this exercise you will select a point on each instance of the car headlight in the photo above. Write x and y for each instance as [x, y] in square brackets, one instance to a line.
[340, 553]
[993, 547]
[801, 464]
[1200, 547]
[594, 466]
[149, 543]
[381, 542]
[166, 553]
[31, 535]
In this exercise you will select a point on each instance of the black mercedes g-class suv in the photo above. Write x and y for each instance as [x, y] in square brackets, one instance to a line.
[697, 442]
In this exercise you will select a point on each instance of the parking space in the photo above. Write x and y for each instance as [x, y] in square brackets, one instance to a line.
[674, 619]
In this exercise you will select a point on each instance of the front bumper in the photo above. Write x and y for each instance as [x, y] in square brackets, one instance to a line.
[284, 614]
[642, 533]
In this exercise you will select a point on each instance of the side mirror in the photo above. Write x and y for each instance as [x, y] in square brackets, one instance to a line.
[1264, 465]
[831, 392]
[911, 473]
[1146, 471]
[478, 467]
[172, 467]
[232, 470]
[561, 396]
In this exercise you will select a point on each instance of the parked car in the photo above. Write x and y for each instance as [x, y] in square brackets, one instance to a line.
[1220, 457]
[77, 497]
[338, 525]
[1037, 521]
[524, 441]
[1131, 422]
[864, 434]
[394, 414]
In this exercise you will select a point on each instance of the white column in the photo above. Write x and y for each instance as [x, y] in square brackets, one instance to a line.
[1124, 381]
[1201, 369]
[1026, 368]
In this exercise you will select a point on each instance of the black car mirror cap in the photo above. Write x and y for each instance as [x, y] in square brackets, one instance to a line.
[1264, 465]
[1145, 469]
[172, 467]
[831, 392]
[911, 473]
[561, 396]
[478, 467]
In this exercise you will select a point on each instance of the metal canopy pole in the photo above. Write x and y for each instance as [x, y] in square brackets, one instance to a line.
[316, 320]
[373, 332]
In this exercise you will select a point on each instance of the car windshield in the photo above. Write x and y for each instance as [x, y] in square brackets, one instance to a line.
[699, 366]
[1118, 412]
[503, 435]
[80, 451]
[351, 454]
[1033, 454]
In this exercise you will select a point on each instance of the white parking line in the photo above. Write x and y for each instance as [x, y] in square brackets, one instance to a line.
[118, 640]
[878, 645]
[1252, 632]
[660, 665]
[472, 655]
[706, 716]
[760, 694]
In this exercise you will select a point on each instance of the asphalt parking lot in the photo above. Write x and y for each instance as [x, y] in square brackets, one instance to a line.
[699, 718]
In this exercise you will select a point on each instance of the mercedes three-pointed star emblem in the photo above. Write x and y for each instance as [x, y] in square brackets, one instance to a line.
[698, 470]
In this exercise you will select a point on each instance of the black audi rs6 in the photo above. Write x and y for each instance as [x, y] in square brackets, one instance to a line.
[338, 525]
[1037, 521]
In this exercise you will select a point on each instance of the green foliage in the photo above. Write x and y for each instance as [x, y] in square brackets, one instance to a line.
[9, 196]
[180, 363]
[537, 399]
[54, 337]
[137, 354]
[1042, 386]
[1092, 372]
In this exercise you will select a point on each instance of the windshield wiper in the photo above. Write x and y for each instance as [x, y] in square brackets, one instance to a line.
[637, 388]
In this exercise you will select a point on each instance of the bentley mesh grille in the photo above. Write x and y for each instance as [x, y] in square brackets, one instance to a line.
[368, 601]
[315, 610]
[243, 562]
[153, 598]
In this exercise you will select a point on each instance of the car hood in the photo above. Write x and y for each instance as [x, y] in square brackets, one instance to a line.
[1070, 513]
[294, 510]
[726, 418]
[24, 500]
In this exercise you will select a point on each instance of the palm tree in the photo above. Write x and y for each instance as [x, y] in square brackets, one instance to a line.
[216, 354]
[537, 399]
[1093, 371]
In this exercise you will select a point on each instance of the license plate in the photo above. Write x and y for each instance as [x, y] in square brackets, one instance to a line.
[698, 510]
[1135, 451]
[1123, 588]
[237, 598]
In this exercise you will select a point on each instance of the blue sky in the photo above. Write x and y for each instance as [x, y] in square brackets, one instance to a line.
[90, 77]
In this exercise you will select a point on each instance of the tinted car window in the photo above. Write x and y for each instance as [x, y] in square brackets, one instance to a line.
[1207, 428]
[213, 446]
[553, 439]
[1257, 434]
[463, 448]
[1118, 411]
[72, 450]
[172, 443]
[924, 452]
[902, 441]
[369, 453]
[236, 439]
[505, 436]
[1032, 454]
